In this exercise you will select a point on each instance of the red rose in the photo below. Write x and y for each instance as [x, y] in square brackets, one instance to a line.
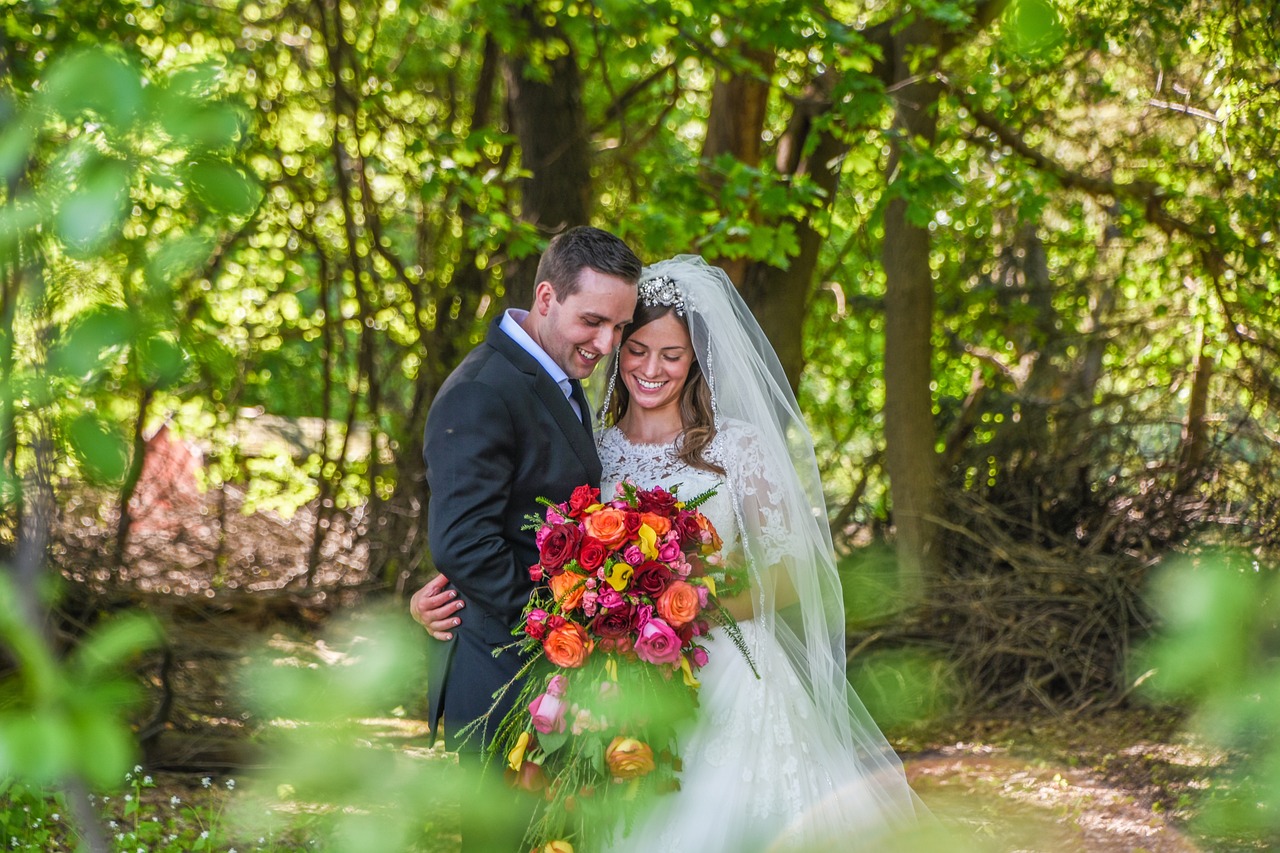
[631, 521]
[614, 623]
[559, 546]
[690, 530]
[583, 497]
[657, 500]
[651, 578]
[591, 554]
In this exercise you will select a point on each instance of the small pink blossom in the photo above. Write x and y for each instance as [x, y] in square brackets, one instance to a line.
[633, 555]
[699, 656]
[557, 685]
[669, 551]
[548, 713]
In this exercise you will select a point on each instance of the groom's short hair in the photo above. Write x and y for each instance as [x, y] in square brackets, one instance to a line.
[581, 247]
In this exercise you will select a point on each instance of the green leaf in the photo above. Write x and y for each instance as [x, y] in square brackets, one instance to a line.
[90, 340]
[224, 188]
[161, 360]
[91, 214]
[115, 644]
[95, 84]
[99, 447]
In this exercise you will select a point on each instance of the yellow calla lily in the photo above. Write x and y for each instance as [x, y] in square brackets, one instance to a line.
[611, 667]
[594, 507]
[619, 575]
[648, 541]
[515, 758]
[687, 670]
[710, 583]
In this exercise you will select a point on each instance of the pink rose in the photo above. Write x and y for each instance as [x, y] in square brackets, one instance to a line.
[548, 713]
[657, 642]
[557, 685]
[609, 598]
[633, 555]
[669, 551]
[699, 656]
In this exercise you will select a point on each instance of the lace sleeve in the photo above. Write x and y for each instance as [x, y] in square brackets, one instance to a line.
[758, 497]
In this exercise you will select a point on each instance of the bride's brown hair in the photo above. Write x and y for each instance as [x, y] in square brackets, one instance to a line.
[696, 413]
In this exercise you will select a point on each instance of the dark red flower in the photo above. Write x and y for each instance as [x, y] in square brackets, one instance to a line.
[687, 526]
[657, 500]
[559, 547]
[615, 623]
[631, 521]
[651, 578]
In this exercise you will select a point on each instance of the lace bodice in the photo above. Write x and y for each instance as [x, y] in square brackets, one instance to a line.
[746, 504]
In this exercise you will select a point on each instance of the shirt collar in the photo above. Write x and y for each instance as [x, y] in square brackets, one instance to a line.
[512, 319]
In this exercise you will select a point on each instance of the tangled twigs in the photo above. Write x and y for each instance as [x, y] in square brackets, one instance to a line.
[1026, 619]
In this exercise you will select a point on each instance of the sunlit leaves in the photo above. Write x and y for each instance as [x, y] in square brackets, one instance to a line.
[60, 719]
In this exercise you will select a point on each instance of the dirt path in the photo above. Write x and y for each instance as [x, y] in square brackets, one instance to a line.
[1009, 804]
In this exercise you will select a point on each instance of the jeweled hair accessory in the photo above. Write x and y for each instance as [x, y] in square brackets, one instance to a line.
[662, 290]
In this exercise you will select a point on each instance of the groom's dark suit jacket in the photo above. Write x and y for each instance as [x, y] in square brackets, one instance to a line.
[500, 434]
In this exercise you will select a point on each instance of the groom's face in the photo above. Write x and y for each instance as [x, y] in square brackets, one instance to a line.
[581, 331]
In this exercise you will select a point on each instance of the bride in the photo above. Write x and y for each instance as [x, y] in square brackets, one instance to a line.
[788, 760]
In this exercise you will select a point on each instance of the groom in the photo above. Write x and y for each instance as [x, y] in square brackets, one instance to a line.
[509, 425]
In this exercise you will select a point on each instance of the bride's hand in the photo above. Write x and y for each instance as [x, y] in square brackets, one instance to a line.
[435, 608]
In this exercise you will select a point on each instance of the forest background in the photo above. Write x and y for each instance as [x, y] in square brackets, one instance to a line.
[1017, 258]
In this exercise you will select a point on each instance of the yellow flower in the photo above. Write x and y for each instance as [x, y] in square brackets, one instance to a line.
[557, 846]
[687, 670]
[619, 575]
[710, 583]
[611, 667]
[648, 541]
[515, 758]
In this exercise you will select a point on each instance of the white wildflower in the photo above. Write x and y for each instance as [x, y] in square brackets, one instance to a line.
[231, 784]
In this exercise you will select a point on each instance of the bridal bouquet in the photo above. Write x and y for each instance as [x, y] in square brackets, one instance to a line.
[614, 633]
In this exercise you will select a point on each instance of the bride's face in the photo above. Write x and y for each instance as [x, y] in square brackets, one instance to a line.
[655, 363]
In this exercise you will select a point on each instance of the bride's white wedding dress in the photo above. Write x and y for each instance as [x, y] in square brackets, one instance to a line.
[762, 770]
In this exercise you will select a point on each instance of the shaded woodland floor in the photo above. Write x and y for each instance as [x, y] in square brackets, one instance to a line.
[1123, 780]
[1126, 779]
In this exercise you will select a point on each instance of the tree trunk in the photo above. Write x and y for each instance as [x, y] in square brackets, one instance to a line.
[548, 120]
[910, 432]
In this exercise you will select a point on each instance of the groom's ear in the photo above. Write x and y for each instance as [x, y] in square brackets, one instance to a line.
[543, 295]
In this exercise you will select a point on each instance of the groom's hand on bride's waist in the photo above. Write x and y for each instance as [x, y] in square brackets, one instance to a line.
[435, 607]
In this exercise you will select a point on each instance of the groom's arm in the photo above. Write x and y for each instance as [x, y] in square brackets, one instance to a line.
[471, 453]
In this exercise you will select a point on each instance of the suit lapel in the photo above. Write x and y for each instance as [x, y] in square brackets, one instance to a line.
[553, 399]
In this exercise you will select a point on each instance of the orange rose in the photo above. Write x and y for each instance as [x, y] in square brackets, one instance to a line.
[660, 523]
[608, 525]
[567, 646]
[628, 758]
[678, 604]
[567, 587]
[712, 542]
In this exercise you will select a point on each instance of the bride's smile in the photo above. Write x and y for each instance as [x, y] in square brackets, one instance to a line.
[654, 364]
